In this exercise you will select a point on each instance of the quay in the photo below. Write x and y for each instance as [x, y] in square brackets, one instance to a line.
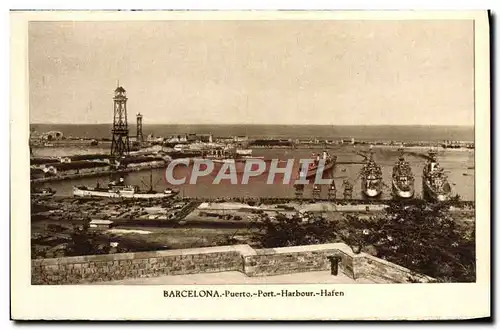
[304, 200]
[71, 176]
[199, 212]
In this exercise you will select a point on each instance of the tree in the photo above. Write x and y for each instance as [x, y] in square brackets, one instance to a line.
[292, 231]
[421, 236]
[84, 241]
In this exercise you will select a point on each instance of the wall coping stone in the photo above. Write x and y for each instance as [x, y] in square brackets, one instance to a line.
[307, 248]
[242, 249]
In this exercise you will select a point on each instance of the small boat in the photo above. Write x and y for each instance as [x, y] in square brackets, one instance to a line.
[244, 152]
[371, 178]
[316, 191]
[332, 190]
[299, 186]
[403, 180]
[347, 186]
[42, 192]
[435, 183]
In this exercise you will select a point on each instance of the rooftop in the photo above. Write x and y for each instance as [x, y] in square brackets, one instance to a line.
[101, 222]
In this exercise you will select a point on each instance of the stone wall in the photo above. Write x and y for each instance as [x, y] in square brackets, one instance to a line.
[262, 262]
[315, 258]
[297, 259]
[109, 267]
[378, 270]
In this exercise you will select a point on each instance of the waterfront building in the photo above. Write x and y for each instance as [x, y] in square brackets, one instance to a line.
[100, 224]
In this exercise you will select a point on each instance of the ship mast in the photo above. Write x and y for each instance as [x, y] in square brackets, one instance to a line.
[151, 180]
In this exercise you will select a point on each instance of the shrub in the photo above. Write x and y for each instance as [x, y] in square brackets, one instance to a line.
[285, 231]
[421, 236]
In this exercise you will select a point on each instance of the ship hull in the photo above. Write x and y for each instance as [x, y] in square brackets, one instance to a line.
[433, 195]
[239, 164]
[313, 172]
[43, 194]
[78, 192]
[399, 192]
[372, 193]
[371, 190]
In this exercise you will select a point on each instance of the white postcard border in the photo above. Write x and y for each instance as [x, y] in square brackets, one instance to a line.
[362, 301]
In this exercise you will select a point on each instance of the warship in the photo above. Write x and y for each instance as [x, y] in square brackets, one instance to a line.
[371, 178]
[403, 181]
[435, 183]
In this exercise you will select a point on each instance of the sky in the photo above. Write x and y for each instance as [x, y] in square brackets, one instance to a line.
[254, 72]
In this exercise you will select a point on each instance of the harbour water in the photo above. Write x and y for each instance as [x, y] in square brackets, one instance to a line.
[457, 163]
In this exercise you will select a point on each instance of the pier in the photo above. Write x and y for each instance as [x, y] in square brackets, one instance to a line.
[73, 176]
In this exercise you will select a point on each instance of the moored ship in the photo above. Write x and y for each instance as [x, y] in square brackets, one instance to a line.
[403, 180]
[120, 190]
[371, 178]
[325, 162]
[42, 192]
[239, 160]
[435, 183]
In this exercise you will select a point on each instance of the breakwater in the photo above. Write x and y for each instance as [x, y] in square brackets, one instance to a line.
[96, 173]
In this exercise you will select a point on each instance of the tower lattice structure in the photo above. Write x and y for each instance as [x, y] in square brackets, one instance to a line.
[140, 137]
[120, 145]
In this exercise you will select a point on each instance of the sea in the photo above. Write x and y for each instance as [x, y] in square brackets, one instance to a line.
[457, 163]
[358, 132]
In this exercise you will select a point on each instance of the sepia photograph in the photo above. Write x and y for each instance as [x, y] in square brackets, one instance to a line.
[260, 155]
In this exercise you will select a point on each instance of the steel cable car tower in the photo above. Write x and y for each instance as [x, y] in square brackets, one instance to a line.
[120, 142]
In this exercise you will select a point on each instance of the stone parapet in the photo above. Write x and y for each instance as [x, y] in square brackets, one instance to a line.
[243, 258]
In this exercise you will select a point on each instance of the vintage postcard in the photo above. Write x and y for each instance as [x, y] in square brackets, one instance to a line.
[252, 165]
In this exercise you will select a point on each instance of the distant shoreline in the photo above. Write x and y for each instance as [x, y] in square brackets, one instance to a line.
[254, 124]
[401, 133]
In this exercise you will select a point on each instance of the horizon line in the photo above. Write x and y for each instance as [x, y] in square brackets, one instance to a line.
[257, 124]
